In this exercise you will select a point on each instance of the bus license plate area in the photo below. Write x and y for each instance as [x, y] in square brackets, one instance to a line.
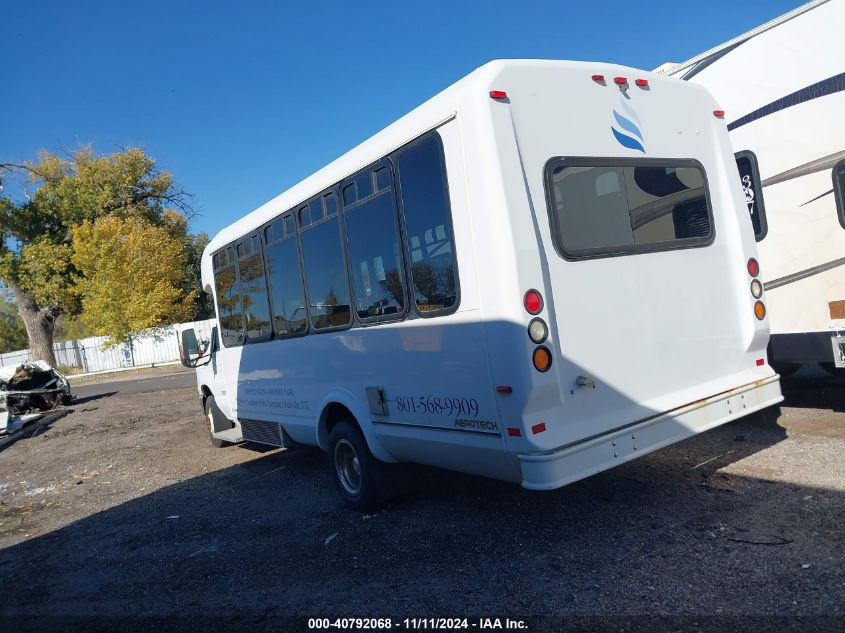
[838, 343]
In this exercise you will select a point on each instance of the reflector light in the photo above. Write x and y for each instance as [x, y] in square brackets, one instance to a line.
[761, 362]
[504, 389]
[756, 288]
[538, 428]
[542, 358]
[760, 310]
[719, 114]
[537, 330]
[533, 302]
[620, 80]
[498, 94]
[753, 267]
[512, 432]
[642, 83]
[598, 77]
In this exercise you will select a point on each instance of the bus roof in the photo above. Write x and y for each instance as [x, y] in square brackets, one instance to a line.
[432, 113]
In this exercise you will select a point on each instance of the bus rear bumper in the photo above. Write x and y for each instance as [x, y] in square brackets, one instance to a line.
[556, 468]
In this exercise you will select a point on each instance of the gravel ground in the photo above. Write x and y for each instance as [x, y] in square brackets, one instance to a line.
[122, 509]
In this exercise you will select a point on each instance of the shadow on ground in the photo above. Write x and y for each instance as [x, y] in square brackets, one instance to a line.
[673, 533]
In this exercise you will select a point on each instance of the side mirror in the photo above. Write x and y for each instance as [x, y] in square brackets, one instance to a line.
[191, 354]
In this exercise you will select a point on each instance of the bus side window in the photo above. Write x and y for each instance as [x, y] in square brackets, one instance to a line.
[229, 306]
[256, 309]
[839, 190]
[325, 274]
[428, 227]
[752, 187]
[286, 292]
[375, 258]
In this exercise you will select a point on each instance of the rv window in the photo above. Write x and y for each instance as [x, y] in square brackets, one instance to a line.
[752, 188]
[428, 227]
[325, 275]
[229, 306]
[372, 237]
[605, 207]
[254, 298]
[839, 190]
[286, 292]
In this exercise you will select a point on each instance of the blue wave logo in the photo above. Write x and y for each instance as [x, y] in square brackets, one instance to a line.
[629, 133]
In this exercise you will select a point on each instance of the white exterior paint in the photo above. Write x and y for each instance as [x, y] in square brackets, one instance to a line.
[798, 50]
[662, 334]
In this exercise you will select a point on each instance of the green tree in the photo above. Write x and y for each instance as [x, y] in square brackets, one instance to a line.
[131, 274]
[12, 331]
[36, 234]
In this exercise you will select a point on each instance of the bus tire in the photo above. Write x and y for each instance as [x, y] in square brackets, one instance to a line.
[361, 479]
[212, 412]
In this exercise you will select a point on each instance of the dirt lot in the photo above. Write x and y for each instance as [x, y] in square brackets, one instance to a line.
[121, 510]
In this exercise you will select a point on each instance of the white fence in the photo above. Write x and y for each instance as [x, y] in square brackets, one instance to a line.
[145, 348]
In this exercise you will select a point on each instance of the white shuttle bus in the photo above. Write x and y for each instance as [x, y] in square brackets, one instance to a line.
[542, 272]
[782, 87]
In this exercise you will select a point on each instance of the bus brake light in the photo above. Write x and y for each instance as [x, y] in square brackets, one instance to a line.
[533, 302]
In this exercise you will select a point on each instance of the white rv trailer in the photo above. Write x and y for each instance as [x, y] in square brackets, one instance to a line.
[782, 87]
[542, 272]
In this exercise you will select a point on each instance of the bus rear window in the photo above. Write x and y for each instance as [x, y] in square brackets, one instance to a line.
[606, 207]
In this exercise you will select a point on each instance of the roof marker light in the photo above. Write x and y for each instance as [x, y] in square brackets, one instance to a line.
[599, 78]
[498, 94]
[514, 432]
[538, 428]
[504, 389]
[719, 114]
[620, 80]
[761, 362]
[642, 83]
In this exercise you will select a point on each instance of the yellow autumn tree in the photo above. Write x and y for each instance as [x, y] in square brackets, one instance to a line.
[131, 275]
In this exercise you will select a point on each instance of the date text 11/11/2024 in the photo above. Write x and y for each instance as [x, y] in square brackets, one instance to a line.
[416, 624]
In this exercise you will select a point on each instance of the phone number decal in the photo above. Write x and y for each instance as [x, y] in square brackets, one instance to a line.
[437, 405]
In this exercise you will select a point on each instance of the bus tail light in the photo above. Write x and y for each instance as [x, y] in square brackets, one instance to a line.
[760, 310]
[533, 302]
[753, 267]
[542, 358]
[537, 330]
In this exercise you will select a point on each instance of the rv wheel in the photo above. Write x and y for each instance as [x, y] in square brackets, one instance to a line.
[359, 477]
[212, 412]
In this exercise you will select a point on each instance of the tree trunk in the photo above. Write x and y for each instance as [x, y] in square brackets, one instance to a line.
[39, 322]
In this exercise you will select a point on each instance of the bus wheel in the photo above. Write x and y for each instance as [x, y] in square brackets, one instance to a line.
[359, 477]
[211, 411]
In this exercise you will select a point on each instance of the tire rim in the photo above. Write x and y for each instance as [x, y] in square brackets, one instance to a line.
[348, 467]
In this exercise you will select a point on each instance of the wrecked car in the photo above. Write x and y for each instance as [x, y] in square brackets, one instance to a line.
[27, 391]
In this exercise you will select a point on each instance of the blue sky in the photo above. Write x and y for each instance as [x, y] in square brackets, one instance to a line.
[240, 100]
